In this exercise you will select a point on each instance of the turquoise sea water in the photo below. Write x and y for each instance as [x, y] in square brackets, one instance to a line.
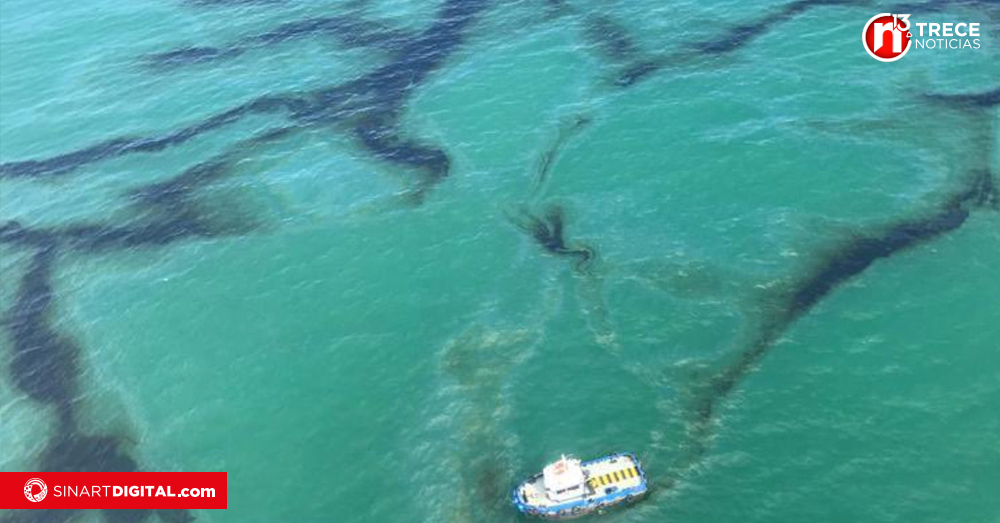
[360, 341]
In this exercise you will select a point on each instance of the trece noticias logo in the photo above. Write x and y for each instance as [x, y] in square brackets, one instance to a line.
[888, 37]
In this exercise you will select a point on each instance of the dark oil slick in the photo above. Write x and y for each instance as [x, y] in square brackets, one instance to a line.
[972, 101]
[230, 3]
[740, 35]
[44, 361]
[547, 227]
[44, 366]
[548, 230]
[610, 39]
[370, 106]
[569, 130]
[347, 31]
[844, 262]
[68, 162]
[730, 39]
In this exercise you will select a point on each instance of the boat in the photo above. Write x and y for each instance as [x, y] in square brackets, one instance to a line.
[571, 488]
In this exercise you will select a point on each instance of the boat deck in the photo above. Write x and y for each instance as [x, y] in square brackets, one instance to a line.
[607, 475]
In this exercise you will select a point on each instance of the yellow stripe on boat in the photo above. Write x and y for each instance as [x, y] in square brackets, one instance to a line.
[613, 477]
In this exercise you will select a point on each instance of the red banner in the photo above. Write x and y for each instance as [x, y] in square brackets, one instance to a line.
[100, 490]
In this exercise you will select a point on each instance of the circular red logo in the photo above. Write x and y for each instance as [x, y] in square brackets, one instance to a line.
[886, 37]
[29, 490]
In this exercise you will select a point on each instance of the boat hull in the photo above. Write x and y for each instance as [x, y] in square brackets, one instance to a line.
[612, 481]
[587, 510]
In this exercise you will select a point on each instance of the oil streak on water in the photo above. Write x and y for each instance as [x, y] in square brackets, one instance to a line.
[379, 260]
